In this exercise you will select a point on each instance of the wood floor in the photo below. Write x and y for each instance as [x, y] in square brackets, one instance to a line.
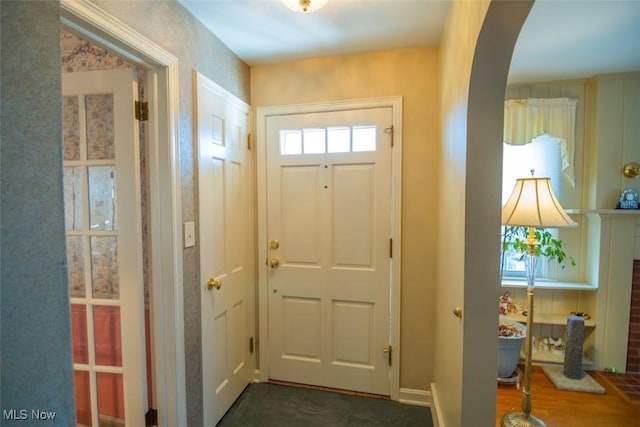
[559, 408]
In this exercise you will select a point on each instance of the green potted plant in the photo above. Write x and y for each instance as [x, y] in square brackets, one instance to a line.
[547, 246]
[511, 334]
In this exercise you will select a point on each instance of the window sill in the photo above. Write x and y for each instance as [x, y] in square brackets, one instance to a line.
[516, 282]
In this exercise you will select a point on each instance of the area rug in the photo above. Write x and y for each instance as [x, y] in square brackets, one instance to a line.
[586, 384]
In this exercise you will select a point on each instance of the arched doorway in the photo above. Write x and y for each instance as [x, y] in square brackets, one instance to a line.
[476, 53]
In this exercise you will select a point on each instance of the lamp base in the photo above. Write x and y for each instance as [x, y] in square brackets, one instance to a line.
[520, 419]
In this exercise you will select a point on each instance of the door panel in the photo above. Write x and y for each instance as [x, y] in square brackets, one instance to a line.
[328, 206]
[225, 247]
[353, 215]
[104, 246]
[299, 220]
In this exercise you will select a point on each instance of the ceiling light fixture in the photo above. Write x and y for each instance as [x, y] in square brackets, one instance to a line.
[304, 6]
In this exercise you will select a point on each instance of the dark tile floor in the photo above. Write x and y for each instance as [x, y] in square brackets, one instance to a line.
[628, 384]
[267, 405]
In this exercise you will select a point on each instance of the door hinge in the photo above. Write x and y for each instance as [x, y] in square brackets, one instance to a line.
[388, 350]
[142, 111]
[251, 345]
[151, 418]
[249, 146]
[389, 130]
[390, 248]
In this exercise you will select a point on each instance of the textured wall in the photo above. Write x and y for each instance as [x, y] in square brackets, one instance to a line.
[36, 356]
[170, 26]
[35, 344]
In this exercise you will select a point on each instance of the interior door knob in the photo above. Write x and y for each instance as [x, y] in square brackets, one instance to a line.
[457, 312]
[274, 263]
[214, 284]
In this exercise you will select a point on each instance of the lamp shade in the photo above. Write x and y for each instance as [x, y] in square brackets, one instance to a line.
[533, 204]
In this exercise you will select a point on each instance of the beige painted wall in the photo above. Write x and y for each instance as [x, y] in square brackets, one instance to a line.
[414, 75]
[615, 128]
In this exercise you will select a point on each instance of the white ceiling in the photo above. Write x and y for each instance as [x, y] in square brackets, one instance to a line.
[561, 39]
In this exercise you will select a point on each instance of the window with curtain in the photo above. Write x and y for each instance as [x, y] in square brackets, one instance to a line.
[543, 156]
[539, 135]
[526, 119]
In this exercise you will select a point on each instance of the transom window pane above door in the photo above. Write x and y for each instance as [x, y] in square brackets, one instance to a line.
[336, 139]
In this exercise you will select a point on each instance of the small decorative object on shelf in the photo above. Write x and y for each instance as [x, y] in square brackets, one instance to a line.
[582, 314]
[554, 345]
[505, 300]
[557, 345]
[507, 306]
[628, 199]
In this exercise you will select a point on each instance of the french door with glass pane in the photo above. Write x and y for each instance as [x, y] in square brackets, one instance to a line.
[104, 246]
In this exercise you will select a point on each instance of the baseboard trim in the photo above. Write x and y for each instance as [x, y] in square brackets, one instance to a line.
[415, 397]
[407, 396]
[436, 410]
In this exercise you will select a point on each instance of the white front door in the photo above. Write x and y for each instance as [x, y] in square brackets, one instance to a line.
[329, 229]
[104, 246]
[226, 247]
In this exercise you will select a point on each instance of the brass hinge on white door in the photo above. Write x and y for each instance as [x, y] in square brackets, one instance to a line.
[390, 132]
[388, 351]
[142, 111]
[251, 345]
[390, 248]
[249, 142]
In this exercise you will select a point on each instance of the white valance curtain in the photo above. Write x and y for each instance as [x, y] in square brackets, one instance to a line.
[525, 119]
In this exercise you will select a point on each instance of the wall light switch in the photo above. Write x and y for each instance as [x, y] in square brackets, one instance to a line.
[189, 234]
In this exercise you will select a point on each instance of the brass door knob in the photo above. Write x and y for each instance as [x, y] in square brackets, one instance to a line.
[457, 312]
[274, 263]
[631, 170]
[214, 283]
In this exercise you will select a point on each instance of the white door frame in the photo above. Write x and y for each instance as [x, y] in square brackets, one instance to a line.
[164, 184]
[262, 113]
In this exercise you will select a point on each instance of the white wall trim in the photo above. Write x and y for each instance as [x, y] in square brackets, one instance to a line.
[262, 113]
[415, 397]
[165, 200]
[436, 408]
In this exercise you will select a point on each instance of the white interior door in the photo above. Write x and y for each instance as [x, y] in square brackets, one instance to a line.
[329, 229]
[104, 246]
[226, 271]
